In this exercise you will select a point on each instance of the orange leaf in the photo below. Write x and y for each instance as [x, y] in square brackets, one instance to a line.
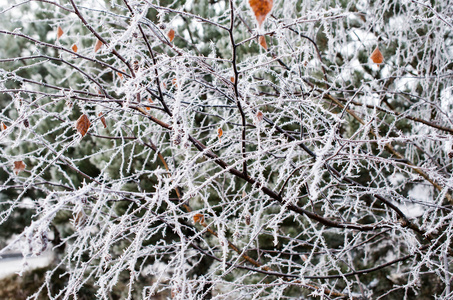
[82, 125]
[59, 32]
[150, 101]
[377, 56]
[120, 75]
[74, 48]
[175, 82]
[261, 8]
[3, 126]
[18, 166]
[232, 79]
[198, 218]
[219, 132]
[98, 46]
[103, 119]
[171, 35]
[262, 41]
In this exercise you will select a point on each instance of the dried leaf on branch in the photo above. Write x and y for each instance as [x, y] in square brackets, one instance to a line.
[60, 32]
[79, 219]
[261, 8]
[98, 46]
[377, 56]
[262, 41]
[247, 219]
[259, 116]
[102, 119]
[82, 125]
[171, 35]
[19, 166]
[150, 101]
[198, 218]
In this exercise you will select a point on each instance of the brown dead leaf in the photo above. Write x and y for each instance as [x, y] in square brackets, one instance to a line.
[60, 32]
[259, 116]
[3, 126]
[261, 8]
[18, 166]
[98, 46]
[102, 119]
[198, 218]
[171, 35]
[82, 125]
[80, 219]
[262, 41]
[150, 101]
[219, 132]
[74, 48]
[232, 79]
[136, 65]
[377, 56]
[247, 218]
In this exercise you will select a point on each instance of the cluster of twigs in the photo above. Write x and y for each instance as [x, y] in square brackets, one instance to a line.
[248, 166]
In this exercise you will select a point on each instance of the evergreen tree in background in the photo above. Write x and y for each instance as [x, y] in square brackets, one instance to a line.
[228, 149]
